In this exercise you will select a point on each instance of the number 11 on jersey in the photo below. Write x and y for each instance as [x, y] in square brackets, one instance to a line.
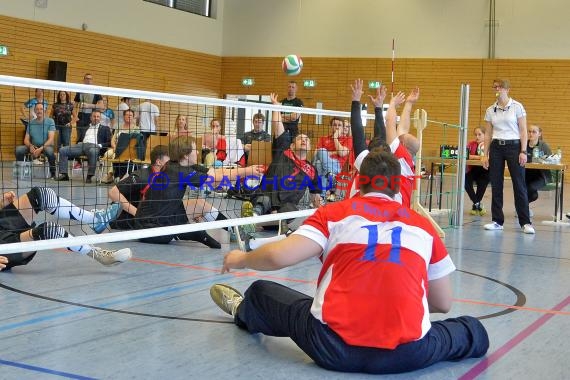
[396, 244]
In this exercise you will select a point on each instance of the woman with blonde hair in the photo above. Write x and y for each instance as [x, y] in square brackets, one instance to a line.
[535, 179]
[181, 126]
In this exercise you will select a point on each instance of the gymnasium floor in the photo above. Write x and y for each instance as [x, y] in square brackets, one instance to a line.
[66, 316]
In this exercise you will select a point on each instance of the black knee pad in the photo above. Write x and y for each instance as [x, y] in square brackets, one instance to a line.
[48, 230]
[43, 199]
[20, 258]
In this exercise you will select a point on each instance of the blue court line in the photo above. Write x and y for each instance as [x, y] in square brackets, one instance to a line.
[45, 370]
[208, 280]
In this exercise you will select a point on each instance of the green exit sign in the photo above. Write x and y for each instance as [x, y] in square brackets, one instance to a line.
[3, 50]
[247, 82]
[309, 83]
[374, 84]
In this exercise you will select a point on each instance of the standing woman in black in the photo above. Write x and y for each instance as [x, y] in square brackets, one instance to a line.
[506, 141]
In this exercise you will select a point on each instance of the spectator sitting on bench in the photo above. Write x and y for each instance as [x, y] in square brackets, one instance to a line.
[258, 133]
[39, 139]
[93, 143]
[536, 179]
[214, 145]
[121, 139]
[332, 153]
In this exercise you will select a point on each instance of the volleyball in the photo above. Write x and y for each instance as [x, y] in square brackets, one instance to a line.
[292, 64]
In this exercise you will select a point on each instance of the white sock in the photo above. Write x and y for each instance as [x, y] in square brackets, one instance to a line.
[211, 215]
[82, 249]
[67, 210]
[256, 243]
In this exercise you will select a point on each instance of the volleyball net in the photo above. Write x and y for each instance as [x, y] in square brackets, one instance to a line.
[176, 117]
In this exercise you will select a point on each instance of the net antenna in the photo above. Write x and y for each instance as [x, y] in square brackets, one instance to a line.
[393, 60]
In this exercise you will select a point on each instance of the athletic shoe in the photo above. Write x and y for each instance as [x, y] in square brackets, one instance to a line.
[568, 215]
[246, 212]
[104, 217]
[243, 237]
[528, 229]
[109, 257]
[62, 177]
[474, 210]
[227, 298]
[481, 210]
[493, 226]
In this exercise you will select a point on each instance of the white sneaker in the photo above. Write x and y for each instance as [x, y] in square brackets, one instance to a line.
[493, 226]
[110, 257]
[528, 229]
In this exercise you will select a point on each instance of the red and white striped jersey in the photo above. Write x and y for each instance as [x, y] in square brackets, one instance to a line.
[378, 257]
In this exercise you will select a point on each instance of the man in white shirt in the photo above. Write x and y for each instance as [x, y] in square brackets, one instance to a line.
[96, 140]
[147, 117]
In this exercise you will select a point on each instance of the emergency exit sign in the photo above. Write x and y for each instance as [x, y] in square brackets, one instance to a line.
[309, 83]
[3, 50]
[374, 84]
[247, 82]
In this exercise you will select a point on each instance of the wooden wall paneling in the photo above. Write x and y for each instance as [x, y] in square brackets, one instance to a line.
[115, 62]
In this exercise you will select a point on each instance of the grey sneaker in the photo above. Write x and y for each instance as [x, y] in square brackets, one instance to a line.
[104, 217]
[226, 297]
[243, 237]
[109, 257]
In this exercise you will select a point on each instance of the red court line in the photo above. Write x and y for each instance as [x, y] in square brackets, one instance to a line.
[289, 279]
[165, 263]
[502, 351]
[235, 273]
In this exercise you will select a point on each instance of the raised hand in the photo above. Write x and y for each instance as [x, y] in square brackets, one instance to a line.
[398, 99]
[414, 96]
[378, 100]
[357, 90]
[274, 98]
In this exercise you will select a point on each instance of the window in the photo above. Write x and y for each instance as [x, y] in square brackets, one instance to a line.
[199, 7]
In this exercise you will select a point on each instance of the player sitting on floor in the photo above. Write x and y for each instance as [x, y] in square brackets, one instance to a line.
[17, 225]
[384, 270]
